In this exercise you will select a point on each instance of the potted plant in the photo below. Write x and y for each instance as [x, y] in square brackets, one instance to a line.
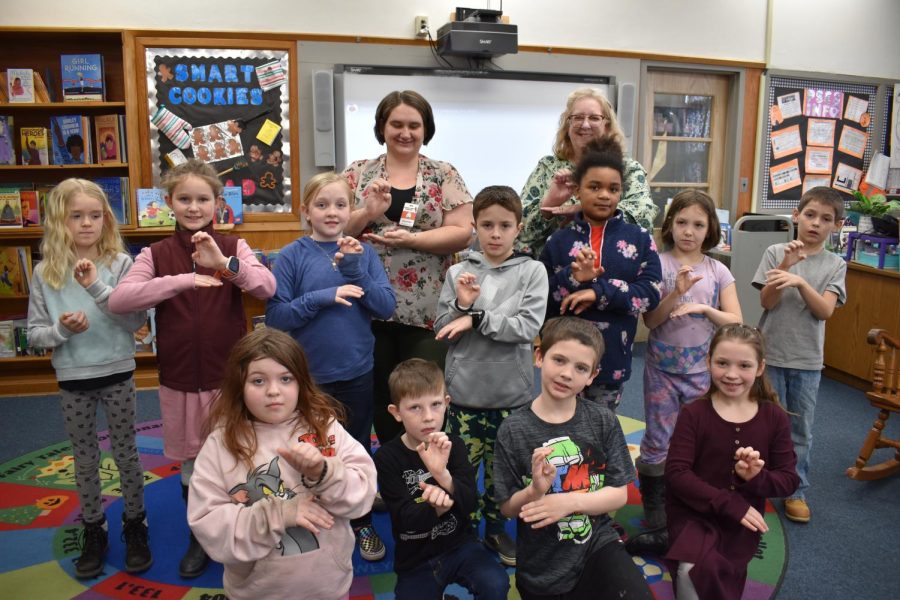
[875, 213]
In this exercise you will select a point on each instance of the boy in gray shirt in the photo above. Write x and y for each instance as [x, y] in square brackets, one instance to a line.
[801, 284]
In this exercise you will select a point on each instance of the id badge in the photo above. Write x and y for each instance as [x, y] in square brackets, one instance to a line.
[408, 216]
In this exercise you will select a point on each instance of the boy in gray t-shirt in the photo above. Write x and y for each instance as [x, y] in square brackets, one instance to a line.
[801, 284]
[560, 465]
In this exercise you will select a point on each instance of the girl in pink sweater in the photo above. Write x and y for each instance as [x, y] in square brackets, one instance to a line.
[278, 479]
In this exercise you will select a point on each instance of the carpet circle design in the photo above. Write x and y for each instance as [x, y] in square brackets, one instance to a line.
[40, 532]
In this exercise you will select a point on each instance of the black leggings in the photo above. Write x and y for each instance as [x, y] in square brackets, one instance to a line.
[608, 573]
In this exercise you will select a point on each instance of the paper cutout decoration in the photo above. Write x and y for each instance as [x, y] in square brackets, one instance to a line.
[270, 75]
[268, 131]
[215, 142]
[173, 127]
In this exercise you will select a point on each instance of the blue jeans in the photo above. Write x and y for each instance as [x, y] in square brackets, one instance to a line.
[797, 389]
[470, 565]
[357, 396]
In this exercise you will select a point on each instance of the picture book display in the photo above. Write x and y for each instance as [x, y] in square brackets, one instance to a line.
[10, 209]
[229, 206]
[107, 138]
[20, 85]
[31, 211]
[152, 209]
[12, 273]
[118, 192]
[68, 134]
[35, 143]
[7, 145]
[82, 77]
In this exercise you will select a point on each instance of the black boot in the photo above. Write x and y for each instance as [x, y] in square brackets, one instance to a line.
[194, 562]
[655, 540]
[137, 546]
[94, 542]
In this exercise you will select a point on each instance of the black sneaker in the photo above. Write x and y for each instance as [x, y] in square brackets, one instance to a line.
[194, 562]
[370, 546]
[504, 546]
[137, 546]
[94, 541]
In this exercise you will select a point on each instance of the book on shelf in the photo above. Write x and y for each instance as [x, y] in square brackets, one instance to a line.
[31, 209]
[10, 209]
[82, 77]
[123, 139]
[41, 94]
[145, 337]
[26, 264]
[20, 85]
[107, 138]
[7, 339]
[68, 134]
[230, 206]
[7, 145]
[35, 144]
[118, 193]
[20, 333]
[152, 209]
[12, 272]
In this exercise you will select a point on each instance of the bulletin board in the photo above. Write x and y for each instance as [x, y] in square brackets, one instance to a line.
[817, 132]
[229, 108]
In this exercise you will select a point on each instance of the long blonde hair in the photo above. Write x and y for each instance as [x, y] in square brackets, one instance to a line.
[562, 147]
[58, 256]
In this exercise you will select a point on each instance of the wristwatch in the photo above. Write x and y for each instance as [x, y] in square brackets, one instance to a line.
[232, 266]
[477, 316]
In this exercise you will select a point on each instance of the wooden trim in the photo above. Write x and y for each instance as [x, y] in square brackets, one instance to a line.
[847, 379]
[748, 141]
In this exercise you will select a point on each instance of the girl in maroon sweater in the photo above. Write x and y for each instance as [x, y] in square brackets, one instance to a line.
[731, 450]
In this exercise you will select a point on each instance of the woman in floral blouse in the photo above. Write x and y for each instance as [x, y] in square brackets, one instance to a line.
[547, 198]
[417, 212]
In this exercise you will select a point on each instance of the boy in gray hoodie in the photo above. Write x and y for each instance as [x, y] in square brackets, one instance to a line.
[491, 308]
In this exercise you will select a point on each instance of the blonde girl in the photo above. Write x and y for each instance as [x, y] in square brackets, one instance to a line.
[83, 258]
[698, 294]
[195, 279]
[278, 479]
[731, 449]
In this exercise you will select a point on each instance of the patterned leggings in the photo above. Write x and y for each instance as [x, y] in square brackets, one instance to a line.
[664, 393]
[478, 429]
[80, 414]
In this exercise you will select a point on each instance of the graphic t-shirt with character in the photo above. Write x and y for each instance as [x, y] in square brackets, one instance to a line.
[589, 453]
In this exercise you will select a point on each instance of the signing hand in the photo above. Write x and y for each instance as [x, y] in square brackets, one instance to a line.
[685, 279]
[435, 452]
[378, 198]
[566, 210]
[205, 281]
[85, 272]
[794, 252]
[305, 458]
[561, 189]
[434, 495]
[689, 308]
[583, 269]
[347, 245]
[748, 464]
[454, 328]
[348, 290]
[311, 515]
[76, 322]
[754, 521]
[578, 302]
[543, 474]
[206, 252]
[783, 279]
[393, 238]
[546, 511]
[467, 289]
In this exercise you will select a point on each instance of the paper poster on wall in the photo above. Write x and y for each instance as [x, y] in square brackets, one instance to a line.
[786, 142]
[853, 141]
[820, 132]
[811, 181]
[823, 103]
[790, 105]
[785, 176]
[856, 108]
[846, 178]
[895, 129]
[818, 160]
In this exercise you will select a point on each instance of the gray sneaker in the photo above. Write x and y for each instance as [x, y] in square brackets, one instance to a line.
[504, 546]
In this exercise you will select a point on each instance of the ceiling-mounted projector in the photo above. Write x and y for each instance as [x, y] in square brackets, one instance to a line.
[478, 33]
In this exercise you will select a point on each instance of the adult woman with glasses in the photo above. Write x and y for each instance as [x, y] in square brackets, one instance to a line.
[547, 198]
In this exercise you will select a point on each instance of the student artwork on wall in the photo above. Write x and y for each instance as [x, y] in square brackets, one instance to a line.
[818, 133]
[228, 108]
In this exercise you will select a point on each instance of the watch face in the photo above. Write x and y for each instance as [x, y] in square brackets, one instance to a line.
[234, 264]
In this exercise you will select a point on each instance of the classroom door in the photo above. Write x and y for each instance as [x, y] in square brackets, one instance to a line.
[684, 133]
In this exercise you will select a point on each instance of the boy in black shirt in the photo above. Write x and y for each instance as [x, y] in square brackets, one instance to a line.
[429, 487]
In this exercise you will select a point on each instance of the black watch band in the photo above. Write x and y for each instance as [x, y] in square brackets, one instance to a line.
[477, 316]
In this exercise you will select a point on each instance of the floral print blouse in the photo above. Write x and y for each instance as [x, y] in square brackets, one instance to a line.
[416, 276]
[636, 203]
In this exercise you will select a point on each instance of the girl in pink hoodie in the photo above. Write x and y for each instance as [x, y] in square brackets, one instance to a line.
[278, 479]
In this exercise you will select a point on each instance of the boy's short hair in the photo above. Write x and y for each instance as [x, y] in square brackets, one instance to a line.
[579, 330]
[415, 378]
[500, 195]
[824, 195]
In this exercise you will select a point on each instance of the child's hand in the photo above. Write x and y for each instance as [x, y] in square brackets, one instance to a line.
[305, 458]
[348, 290]
[583, 266]
[543, 474]
[578, 302]
[454, 328]
[435, 452]
[467, 289]
[754, 521]
[206, 252]
[311, 515]
[546, 511]
[689, 308]
[685, 280]
[793, 253]
[347, 245]
[85, 272]
[748, 464]
[76, 322]
[378, 198]
[783, 279]
[435, 495]
[206, 281]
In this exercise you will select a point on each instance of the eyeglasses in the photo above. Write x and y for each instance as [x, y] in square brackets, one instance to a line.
[593, 120]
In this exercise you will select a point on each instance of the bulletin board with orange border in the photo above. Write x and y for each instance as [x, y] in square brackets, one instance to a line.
[817, 133]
